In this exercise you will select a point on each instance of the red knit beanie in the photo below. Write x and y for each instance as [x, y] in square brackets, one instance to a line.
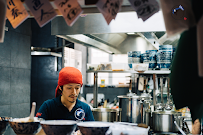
[68, 75]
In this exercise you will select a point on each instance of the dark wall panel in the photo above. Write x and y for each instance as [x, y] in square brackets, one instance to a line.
[15, 71]
[44, 78]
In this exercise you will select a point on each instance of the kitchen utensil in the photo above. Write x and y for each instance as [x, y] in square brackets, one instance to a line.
[141, 83]
[154, 91]
[179, 128]
[169, 103]
[163, 121]
[32, 111]
[160, 106]
[130, 89]
[150, 85]
[185, 127]
[31, 117]
[106, 115]
[105, 103]
[145, 105]
[94, 127]
[59, 127]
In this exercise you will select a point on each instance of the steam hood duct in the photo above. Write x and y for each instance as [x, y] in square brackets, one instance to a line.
[92, 30]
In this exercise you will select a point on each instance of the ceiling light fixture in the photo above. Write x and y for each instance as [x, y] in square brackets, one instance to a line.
[131, 33]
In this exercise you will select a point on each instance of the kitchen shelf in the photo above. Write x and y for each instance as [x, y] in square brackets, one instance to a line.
[95, 87]
[38, 53]
[131, 71]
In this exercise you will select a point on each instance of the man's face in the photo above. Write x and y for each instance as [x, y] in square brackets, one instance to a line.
[71, 91]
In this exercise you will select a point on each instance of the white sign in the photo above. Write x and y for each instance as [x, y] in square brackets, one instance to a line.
[109, 8]
[42, 10]
[2, 19]
[70, 10]
[16, 12]
[72, 58]
[145, 8]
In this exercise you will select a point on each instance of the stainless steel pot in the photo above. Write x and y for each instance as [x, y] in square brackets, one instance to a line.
[106, 115]
[163, 121]
[135, 109]
[148, 118]
[131, 107]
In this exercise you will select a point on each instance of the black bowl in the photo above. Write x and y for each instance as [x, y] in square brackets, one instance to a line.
[94, 127]
[58, 127]
[4, 122]
[28, 128]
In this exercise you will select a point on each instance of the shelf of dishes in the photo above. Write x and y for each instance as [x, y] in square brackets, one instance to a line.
[131, 71]
[112, 67]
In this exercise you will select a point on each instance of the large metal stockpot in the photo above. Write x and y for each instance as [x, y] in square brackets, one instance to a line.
[131, 108]
[163, 121]
[106, 115]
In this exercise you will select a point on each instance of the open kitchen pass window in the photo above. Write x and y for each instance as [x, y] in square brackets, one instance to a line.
[96, 56]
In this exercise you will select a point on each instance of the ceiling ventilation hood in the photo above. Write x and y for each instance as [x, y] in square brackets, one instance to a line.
[92, 30]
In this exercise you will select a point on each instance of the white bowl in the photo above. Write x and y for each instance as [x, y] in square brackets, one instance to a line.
[141, 67]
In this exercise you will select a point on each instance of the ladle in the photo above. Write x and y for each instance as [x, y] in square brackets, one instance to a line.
[29, 118]
[32, 113]
[179, 128]
[160, 106]
[130, 90]
[169, 104]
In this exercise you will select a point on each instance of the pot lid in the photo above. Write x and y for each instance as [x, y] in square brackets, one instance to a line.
[126, 96]
[104, 110]
[145, 96]
[167, 112]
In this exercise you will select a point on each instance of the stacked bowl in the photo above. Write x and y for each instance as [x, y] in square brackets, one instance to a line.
[22, 126]
[4, 122]
[94, 127]
[59, 127]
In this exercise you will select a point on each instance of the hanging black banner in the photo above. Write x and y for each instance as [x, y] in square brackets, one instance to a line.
[90, 2]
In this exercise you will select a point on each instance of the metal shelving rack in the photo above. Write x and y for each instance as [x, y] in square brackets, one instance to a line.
[95, 88]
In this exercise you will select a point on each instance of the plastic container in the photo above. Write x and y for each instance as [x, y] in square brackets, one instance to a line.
[119, 66]
[92, 67]
[105, 66]
[140, 67]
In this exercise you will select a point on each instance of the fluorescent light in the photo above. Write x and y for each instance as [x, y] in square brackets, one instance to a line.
[131, 33]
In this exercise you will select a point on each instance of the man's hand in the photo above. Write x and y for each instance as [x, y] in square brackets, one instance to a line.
[196, 127]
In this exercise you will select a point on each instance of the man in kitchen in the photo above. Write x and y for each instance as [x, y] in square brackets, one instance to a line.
[65, 105]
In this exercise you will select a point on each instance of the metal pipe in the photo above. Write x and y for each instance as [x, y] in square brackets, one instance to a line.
[154, 91]
[95, 90]
[133, 89]
[161, 84]
[56, 64]
[168, 87]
